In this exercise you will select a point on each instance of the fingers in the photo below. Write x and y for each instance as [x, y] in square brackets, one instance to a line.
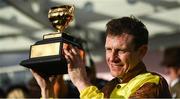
[71, 54]
[73, 58]
[72, 50]
[68, 55]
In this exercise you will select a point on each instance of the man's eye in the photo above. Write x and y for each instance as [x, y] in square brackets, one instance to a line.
[108, 49]
[121, 51]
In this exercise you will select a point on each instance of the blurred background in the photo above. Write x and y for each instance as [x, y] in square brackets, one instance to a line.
[23, 22]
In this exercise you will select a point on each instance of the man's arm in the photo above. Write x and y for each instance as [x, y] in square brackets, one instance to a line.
[76, 68]
[44, 83]
[78, 75]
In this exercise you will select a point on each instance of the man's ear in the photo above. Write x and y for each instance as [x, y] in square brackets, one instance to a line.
[142, 51]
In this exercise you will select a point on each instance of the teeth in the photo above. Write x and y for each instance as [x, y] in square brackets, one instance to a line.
[116, 64]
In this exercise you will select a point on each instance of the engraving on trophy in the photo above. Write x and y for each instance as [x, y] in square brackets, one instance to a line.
[45, 50]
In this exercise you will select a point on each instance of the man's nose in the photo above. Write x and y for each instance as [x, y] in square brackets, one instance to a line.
[114, 56]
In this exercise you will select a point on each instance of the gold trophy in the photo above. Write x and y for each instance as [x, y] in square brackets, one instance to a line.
[46, 56]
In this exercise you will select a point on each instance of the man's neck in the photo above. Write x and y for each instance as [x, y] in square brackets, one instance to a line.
[138, 69]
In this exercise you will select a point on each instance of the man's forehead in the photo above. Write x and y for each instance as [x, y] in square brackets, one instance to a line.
[123, 38]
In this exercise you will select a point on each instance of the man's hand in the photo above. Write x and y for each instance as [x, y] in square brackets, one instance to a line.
[45, 83]
[76, 68]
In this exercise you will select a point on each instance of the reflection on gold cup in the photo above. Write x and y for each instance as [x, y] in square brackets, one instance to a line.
[46, 56]
[61, 16]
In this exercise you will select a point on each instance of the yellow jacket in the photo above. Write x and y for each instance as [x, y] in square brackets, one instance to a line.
[122, 90]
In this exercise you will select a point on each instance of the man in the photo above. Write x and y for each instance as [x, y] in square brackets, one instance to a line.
[171, 62]
[126, 45]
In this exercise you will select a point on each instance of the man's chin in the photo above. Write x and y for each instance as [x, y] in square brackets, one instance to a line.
[116, 74]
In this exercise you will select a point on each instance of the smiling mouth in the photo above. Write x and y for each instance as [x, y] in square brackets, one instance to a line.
[117, 65]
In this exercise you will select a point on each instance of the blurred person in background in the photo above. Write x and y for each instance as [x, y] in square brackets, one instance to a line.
[17, 91]
[171, 62]
[126, 45]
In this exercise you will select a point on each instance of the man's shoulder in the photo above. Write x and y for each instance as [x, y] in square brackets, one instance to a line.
[162, 81]
[154, 73]
[154, 90]
[161, 78]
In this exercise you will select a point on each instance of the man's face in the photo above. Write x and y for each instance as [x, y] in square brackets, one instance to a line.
[121, 55]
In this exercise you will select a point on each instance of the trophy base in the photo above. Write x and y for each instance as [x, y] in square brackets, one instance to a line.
[47, 65]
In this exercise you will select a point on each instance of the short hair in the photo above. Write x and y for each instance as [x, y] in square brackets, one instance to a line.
[129, 25]
[171, 57]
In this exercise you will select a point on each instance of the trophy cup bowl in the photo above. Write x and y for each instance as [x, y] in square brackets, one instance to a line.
[46, 56]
